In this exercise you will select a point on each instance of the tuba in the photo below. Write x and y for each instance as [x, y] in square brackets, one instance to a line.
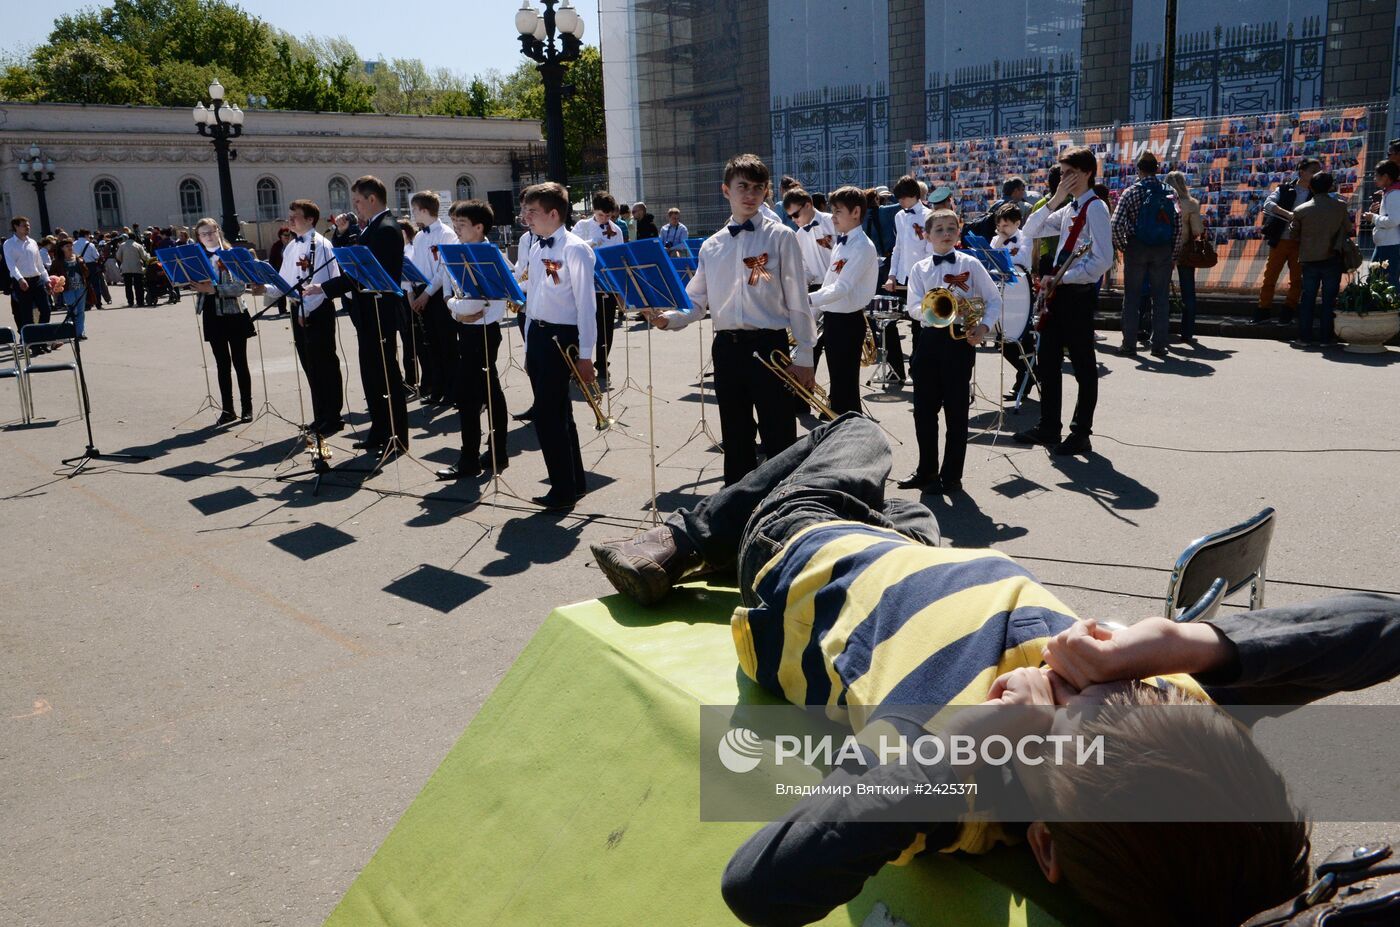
[941, 308]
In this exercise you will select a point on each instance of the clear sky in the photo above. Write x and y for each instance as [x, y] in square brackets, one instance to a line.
[468, 36]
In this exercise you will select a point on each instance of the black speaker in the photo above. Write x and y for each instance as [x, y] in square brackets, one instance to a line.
[502, 203]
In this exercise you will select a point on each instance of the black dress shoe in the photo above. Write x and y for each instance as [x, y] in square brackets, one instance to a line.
[247, 416]
[555, 502]
[1127, 350]
[226, 418]
[527, 416]
[1073, 445]
[486, 462]
[369, 444]
[1159, 352]
[645, 568]
[328, 429]
[1035, 436]
[457, 473]
[917, 480]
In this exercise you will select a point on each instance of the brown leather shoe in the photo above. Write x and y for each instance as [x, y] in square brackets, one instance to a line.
[645, 568]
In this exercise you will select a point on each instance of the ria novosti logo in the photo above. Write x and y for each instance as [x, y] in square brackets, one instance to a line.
[740, 750]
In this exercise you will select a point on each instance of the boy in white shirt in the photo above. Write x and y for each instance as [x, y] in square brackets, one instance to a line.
[438, 354]
[600, 232]
[1009, 236]
[815, 234]
[944, 357]
[846, 290]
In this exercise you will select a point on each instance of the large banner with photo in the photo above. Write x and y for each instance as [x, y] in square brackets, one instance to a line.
[1231, 164]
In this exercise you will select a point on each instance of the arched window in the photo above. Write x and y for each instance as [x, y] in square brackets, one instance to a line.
[108, 203]
[403, 193]
[269, 200]
[339, 191]
[464, 187]
[191, 201]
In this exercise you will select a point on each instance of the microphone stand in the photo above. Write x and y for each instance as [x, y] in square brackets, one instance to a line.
[91, 453]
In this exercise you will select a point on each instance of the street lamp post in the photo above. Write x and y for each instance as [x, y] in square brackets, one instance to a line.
[39, 172]
[537, 42]
[222, 122]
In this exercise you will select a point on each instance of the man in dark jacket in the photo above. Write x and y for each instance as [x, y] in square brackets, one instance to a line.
[1283, 242]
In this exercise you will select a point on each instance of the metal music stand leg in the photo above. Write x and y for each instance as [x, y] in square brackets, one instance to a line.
[655, 515]
[1031, 376]
[627, 381]
[267, 407]
[702, 427]
[91, 453]
[208, 402]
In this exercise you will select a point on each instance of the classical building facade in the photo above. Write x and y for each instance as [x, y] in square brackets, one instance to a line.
[115, 165]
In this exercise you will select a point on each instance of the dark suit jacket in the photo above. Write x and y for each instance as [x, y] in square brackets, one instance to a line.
[385, 242]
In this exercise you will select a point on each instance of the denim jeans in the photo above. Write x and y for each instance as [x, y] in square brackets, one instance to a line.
[836, 472]
[1326, 275]
[1147, 267]
[75, 302]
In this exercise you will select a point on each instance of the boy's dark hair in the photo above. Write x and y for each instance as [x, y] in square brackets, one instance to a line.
[1147, 163]
[603, 201]
[853, 198]
[796, 197]
[550, 196]
[1309, 164]
[1081, 159]
[370, 185]
[1393, 147]
[476, 212]
[939, 214]
[787, 183]
[408, 229]
[17, 221]
[1102, 192]
[1385, 169]
[1011, 185]
[1010, 212]
[905, 187]
[1158, 745]
[427, 201]
[748, 166]
[819, 201]
[1321, 182]
[309, 210]
[1052, 179]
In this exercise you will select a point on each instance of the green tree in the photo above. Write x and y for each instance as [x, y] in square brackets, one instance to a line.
[585, 130]
[306, 82]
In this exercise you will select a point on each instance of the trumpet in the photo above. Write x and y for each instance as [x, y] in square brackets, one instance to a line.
[591, 392]
[942, 307]
[778, 363]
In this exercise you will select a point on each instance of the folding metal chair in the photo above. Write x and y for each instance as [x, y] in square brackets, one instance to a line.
[1215, 567]
[51, 333]
[10, 353]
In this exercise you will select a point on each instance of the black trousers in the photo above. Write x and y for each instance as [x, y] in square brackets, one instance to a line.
[231, 354]
[942, 368]
[844, 337]
[377, 329]
[315, 343]
[438, 351]
[606, 317]
[554, 411]
[135, 289]
[1070, 325]
[894, 348]
[32, 305]
[743, 387]
[411, 332]
[478, 380]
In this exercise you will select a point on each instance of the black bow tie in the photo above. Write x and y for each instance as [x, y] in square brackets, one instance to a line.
[745, 226]
[810, 225]
[547, 242]
[949, 258]
[301, 239]
[910, 210]
[1074, 205]
[840, 239]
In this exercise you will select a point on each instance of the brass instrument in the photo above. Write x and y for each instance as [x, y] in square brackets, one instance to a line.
[778, 363]
[868, 354]
[593, 393]
[942, 307]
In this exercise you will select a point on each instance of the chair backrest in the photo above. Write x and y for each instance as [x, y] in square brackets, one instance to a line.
[1237, 555]
[7, 336]
[47, 332]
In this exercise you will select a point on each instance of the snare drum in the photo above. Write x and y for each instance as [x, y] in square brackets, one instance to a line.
[1015, 307]
[887, 308]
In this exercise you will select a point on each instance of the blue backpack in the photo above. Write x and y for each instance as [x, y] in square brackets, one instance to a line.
[1156, 214]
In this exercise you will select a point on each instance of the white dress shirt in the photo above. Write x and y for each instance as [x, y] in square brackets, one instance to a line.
[776, 300]
[816, 256]
[1097, 233]
[1018, 246]
[317, 250]
[85, 251]
[852, 277]
[927, 276]
[567, 300]
[673, 237]
[910, 245]
[522, 259]
[439, 233]
[22, 257]
[1386, 230]
[599, 236]
[767, 212]
[492, 310]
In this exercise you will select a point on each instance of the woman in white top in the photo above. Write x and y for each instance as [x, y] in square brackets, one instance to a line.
[1192, 227]
[1385, 219]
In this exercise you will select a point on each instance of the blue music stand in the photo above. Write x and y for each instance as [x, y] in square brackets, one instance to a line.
[603, 283]
[644, 276]
[186, 265]
[413, 274]
[996, 260]
[361, 265]
[480, 271]
[686, 267]
[694, 245]
[245, 266]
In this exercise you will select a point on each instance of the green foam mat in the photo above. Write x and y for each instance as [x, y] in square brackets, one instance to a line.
[573, 798]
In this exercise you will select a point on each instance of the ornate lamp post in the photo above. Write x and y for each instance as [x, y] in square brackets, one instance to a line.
[538, 34]
[38, 171]
[222, 122]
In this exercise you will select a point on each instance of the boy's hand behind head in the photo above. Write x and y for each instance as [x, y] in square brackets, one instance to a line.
[1085, 653]
[1026, 686]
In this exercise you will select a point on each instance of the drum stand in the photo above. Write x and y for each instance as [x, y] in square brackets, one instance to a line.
[702, 427]
[208, 402]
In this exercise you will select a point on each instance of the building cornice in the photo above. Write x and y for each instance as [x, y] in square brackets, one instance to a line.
[158, 150]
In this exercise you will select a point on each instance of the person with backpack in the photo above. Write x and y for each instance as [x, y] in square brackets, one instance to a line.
[1147, 229]
[1283, 242]
[1013, 193]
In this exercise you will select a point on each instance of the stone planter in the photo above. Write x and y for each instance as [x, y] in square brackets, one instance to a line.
[1366, 334]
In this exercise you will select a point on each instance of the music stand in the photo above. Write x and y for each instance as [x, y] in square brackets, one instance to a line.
[244, 267]
[694, 243]
[604, 284]
[686, 268]
[998, 263]
[66, 330]
[186, 265]
[480, 271]
[648, 283]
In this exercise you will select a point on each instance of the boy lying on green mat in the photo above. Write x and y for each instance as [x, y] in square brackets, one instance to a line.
[848, 603]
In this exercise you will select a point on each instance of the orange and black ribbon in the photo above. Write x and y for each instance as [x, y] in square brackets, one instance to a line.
[919, 231]
[958, 280]
[825, 242]
[304, 263]
[758, 268]
[552, 268]
[838, 265]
